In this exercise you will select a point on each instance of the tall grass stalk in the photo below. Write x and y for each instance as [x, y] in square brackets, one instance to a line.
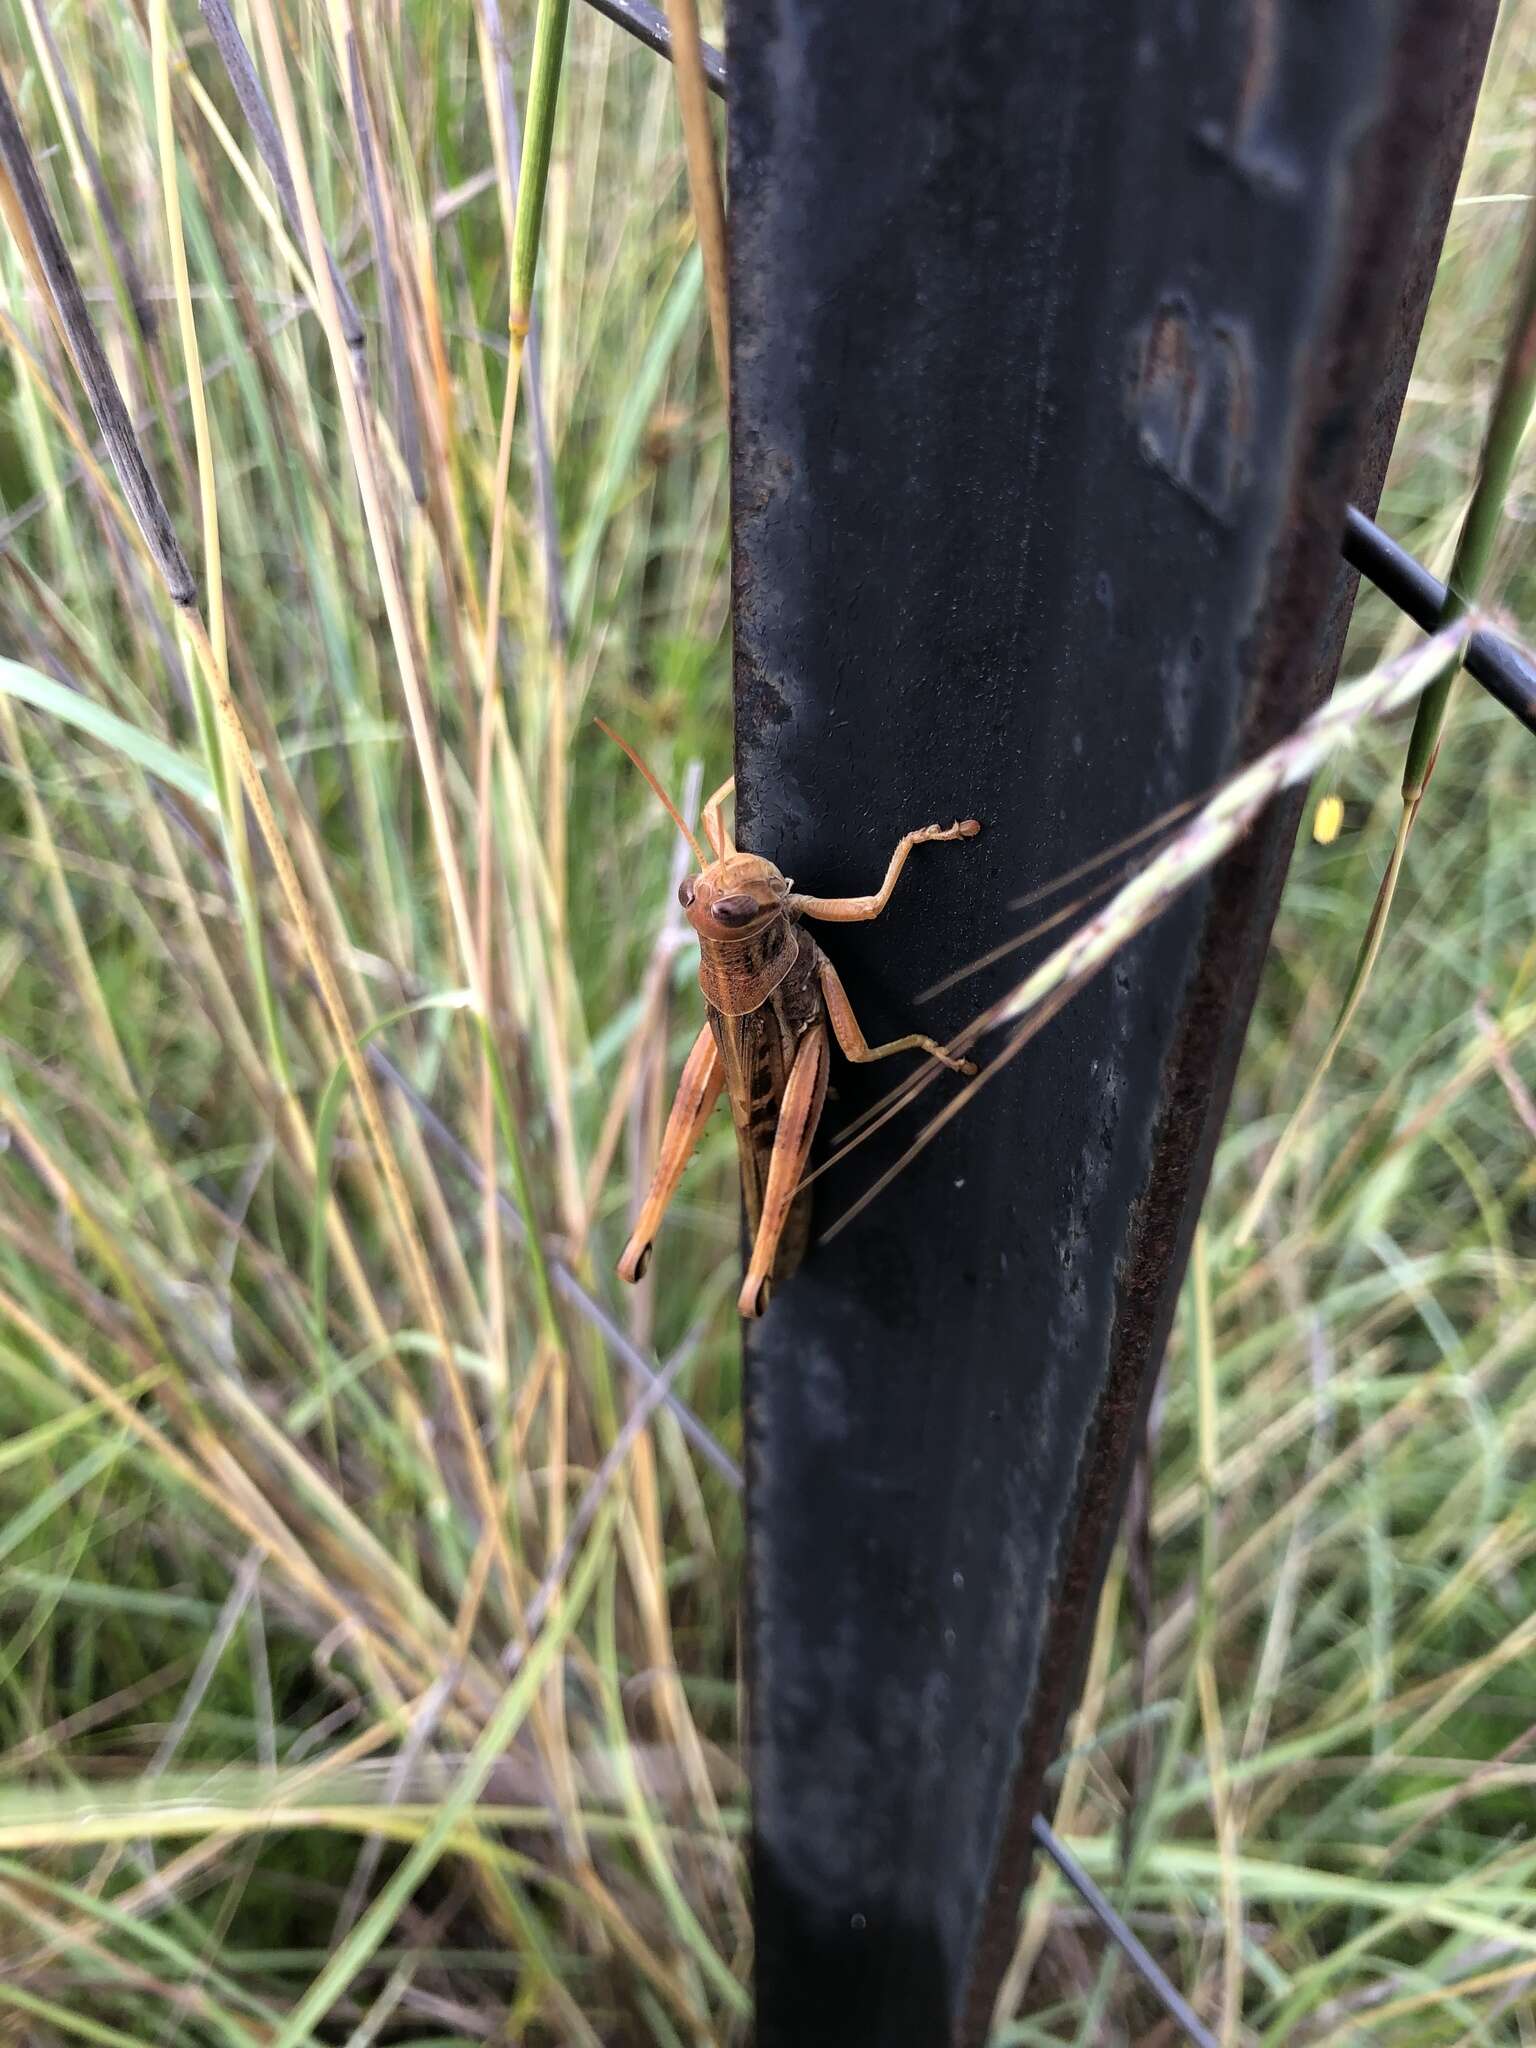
[703, 175]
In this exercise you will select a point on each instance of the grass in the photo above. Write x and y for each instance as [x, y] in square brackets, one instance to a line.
[288, 1754]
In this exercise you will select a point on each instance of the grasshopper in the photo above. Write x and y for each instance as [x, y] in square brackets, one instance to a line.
[771, 996]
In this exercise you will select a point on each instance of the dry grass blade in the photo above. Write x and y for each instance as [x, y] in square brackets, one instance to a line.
[1190, 853]
[567, 1285]
[423, 726]
[123, 255]
[407, 425]
[241, 71]
[703, 175]
[32, 222]
[155, 522]
[1060, 916]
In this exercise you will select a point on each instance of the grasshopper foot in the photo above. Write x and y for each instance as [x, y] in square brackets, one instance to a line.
[754, 1297]
[637, 1257]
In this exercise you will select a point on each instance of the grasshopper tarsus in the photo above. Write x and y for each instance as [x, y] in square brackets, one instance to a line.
[773, 999]
[635, 1264]
[753, 1300]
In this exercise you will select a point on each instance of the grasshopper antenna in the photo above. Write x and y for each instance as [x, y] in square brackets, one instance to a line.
[661, 795]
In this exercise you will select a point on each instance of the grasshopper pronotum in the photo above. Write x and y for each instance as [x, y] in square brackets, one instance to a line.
[771, 994]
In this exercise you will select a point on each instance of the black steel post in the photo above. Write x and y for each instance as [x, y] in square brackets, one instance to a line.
[1061, 337]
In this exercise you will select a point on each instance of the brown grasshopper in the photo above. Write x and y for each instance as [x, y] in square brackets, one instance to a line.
[770, 994]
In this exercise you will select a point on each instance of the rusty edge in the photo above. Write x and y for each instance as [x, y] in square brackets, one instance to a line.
[1363, 368]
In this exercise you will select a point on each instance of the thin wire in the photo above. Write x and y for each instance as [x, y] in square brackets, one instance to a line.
[1503, 668]
[648, 25]
[1174, 2003]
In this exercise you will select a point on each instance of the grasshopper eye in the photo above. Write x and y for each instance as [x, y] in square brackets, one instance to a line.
[735, 909]
[685, 891]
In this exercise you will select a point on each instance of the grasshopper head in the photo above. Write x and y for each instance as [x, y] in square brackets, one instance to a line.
[734, 897]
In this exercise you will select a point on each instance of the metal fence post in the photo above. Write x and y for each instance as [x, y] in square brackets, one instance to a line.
[1061, 337]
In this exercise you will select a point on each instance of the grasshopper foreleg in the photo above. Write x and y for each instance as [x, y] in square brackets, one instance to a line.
[860, 909]
[697, 1093]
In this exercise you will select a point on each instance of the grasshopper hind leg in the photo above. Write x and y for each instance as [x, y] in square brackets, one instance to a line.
[799, 1114]
[697, 1093]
